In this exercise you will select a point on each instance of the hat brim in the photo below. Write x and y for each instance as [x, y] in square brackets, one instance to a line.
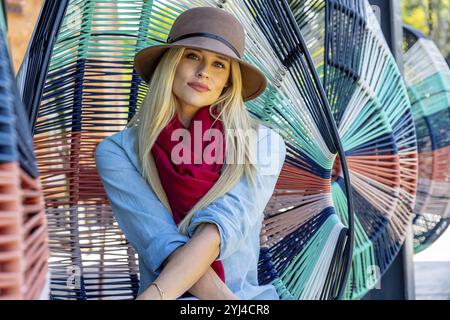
[254, 82]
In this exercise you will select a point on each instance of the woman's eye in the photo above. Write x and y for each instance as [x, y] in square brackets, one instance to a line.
[191, 55]
[221, 65]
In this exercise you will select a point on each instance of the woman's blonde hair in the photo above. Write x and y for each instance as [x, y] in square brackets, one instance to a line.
[159, 107]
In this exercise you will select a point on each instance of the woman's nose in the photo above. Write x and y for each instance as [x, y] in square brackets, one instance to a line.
[202, 71]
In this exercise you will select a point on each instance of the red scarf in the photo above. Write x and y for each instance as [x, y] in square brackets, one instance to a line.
[183, 183]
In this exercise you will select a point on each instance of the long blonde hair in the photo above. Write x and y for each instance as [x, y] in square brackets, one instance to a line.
[159, 107]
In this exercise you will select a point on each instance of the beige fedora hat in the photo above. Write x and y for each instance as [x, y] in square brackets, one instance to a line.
[211, 29]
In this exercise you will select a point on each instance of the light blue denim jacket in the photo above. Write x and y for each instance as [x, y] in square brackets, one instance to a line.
[152, 232]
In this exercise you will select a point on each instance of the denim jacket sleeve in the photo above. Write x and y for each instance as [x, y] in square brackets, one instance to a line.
[236, 212]
[146, 223]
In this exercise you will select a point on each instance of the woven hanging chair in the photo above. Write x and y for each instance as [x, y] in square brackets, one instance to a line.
[23, 229]
[79, 86]
[427, 77]
[370, 105]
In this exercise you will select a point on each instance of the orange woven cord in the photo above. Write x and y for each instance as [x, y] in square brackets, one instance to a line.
[35, 236]
[11, 261]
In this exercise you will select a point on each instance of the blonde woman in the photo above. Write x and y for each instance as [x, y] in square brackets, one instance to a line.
[190, 176]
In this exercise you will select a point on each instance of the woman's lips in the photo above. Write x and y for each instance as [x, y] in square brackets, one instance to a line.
[197, 87]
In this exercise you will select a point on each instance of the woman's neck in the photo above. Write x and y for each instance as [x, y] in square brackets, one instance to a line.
[185, 118]
[186, 113]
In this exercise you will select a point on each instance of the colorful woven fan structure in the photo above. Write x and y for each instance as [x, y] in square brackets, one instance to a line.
[427, 76]
[371, 108]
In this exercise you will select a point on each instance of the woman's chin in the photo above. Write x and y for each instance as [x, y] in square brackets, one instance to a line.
[199, 103]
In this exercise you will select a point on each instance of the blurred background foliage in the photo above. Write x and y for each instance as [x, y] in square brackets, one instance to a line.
[432, 17]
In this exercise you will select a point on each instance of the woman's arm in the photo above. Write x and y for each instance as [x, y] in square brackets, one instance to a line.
[211, 287]
[146, 223]
[154, 234]
[188, 268]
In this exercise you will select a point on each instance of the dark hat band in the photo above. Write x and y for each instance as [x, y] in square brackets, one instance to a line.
[207, 35]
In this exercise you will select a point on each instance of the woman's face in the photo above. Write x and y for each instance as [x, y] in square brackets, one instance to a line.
[200, 67]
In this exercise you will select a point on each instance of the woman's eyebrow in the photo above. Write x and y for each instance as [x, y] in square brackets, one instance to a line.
[218, 57]
[223, 58]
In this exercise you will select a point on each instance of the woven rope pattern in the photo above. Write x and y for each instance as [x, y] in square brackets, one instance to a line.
[371, 108]
[427, 76]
